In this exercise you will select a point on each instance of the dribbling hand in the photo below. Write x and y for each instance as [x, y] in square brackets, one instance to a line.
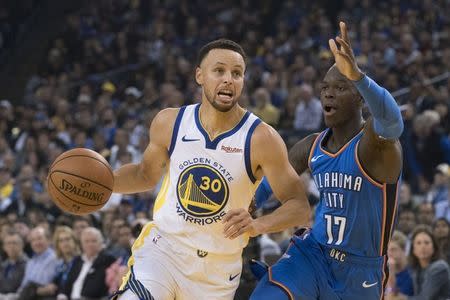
[344, 57]
[237, 222]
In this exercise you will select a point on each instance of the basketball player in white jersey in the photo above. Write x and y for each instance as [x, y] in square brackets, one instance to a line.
[213, 156]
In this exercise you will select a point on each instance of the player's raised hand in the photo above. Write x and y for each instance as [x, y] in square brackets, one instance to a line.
[238, 221]
[343, 55]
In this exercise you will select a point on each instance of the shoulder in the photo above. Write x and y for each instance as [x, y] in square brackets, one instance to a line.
[305, 143]
[439, 266]
[166, 117]
[299, 153]
[266, 141]
[264, 133]
[162, 126]
[266, 145]
[24, 258]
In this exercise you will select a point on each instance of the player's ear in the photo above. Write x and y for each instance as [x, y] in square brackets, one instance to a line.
[199, 75]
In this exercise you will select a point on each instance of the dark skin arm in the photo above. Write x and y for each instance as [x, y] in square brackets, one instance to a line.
[374, 152]
[299, 153]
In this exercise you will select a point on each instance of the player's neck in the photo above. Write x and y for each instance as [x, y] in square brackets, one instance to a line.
[216, 122]
[342, 134]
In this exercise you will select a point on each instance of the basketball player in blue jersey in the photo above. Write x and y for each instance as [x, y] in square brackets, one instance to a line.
[356, 166]
[212, 156]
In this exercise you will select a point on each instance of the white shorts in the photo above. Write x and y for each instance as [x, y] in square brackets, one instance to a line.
[178, 272]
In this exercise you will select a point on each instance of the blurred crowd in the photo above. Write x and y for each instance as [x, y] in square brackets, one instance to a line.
[13, 17]
[117, 63]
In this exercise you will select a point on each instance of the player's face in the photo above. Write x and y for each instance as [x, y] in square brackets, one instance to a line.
[340, 99]
[221, 75]
[423, 246]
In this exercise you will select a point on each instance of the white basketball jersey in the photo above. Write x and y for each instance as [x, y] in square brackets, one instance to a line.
[204, 181]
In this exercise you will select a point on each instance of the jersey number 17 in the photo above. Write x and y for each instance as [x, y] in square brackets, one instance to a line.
[335, 221]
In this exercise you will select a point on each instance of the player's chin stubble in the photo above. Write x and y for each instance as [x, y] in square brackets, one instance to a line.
[212, 100]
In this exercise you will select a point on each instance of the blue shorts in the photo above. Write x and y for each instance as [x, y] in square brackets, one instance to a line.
[309, 270]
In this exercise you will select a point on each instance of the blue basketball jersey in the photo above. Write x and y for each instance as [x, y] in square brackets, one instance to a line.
[355, 213]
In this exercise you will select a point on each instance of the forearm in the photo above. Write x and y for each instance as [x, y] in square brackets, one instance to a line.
[130, 179]
[292, 213]
[388, 121]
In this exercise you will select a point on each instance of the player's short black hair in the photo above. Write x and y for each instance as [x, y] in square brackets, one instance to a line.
[219, 44]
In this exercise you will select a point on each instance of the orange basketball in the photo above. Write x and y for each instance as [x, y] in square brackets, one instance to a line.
[80, 181]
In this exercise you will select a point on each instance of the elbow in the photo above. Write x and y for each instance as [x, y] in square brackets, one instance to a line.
[397, 128]
[391, 130]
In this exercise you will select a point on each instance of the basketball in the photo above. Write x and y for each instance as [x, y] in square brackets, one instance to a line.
[80, 181]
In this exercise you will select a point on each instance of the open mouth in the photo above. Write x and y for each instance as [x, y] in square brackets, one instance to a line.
[225, 95]
[329, 109]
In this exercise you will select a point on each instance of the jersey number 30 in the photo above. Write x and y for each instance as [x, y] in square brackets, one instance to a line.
[335, 221]
[207, 184]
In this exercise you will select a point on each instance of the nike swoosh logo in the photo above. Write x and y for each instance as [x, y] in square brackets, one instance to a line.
[184, 139]
[368, 285]
[233, 277]
[316, 157]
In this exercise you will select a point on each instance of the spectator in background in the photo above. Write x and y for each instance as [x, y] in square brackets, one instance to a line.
[405, 196]
[6, 190]
[25, 200]
[407, 220]
[12, 269]
[431, 275]
[66, 248]
[86, 279]
[441, 231]
[425, 148]
[425, 214]
[126, 208]
[439, 190]
[288, 111]
[6, 118]
[41, 268]
[400, 280]
[79, 224]
[122, 147]
[113, 235]
[122, 249]
[263, 107]
[308, 113]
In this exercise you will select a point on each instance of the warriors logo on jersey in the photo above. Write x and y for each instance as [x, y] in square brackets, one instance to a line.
[202, 191]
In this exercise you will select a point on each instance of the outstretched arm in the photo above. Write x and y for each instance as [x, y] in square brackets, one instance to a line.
[379, 142]
[135, 178]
